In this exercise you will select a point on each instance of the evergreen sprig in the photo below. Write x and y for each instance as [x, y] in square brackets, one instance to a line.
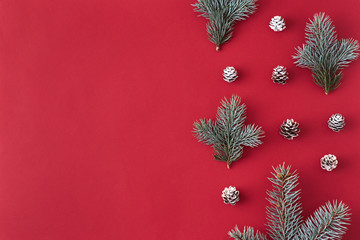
[324, 54]
[284, 214]
[247, 234]
[328, 222]
[228, 134]
[222, 15]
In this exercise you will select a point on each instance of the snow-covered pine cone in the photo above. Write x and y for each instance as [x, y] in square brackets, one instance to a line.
[280, 75]
[230, 74]
[328, 162]
[277, 24]
[336, 122]
[230, 195]
[289, 129]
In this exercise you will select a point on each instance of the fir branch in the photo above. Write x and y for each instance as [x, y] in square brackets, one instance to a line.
[328, 222]
[205, 130]
[324, 54]
[227, 134]
[222, 15]
[284, 214]
[247, 234]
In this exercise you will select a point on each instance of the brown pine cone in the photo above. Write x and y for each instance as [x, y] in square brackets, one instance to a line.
[289, 129]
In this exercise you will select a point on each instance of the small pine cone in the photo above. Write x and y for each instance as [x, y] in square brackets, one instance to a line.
[230, 74]
[336, 122]
[280, 75]
[289, 129]
[230, 195]
[277, 24]
[328, 162]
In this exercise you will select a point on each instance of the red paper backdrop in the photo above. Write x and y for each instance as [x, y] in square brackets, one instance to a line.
[97, 102]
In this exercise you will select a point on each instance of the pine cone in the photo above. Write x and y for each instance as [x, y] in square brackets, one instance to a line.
[336, 122]
[277, 24]
[280, 75]
[289, 129]
[328, 162]
[230, 74]
[230, 195]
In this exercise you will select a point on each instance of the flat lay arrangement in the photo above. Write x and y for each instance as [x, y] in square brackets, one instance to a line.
[181, 120]
[325, 56]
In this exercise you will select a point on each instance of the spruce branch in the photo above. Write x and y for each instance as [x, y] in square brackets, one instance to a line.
[247, 234]
[228, 134]
[328, 222]
[222, 15]
[324, 54]
[284, 214]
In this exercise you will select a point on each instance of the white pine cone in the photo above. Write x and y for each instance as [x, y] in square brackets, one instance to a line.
[277, 24]
[289, 129]
[230, 195]
[328, 162]
[336, 122]
[280, 75]
[230, 74]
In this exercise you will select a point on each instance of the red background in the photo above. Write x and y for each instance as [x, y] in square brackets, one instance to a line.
[97, 102]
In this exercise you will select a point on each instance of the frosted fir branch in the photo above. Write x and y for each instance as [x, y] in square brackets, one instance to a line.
[324, 54]
[205, 130]
[284, 214]
[247, 234]
[227, 134]
[328, 222]
[222, 15]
